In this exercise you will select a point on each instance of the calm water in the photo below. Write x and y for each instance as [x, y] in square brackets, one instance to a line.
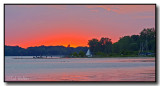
[79, 69]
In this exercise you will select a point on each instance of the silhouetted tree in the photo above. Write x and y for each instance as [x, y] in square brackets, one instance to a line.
[94, 45]
[81, 54]
[147, 37]
[106, 45]
[75, 54]
[42, 50]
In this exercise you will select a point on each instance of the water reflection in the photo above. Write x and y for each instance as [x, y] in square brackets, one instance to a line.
[88, 69]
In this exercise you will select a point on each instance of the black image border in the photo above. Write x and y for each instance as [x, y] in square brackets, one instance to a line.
[95, 82]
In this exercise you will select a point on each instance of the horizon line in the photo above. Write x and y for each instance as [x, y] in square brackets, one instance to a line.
[44, 45]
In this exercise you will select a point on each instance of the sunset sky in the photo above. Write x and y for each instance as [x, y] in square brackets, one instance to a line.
[51, 25]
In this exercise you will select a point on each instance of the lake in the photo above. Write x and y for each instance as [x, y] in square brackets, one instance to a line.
[80, 69]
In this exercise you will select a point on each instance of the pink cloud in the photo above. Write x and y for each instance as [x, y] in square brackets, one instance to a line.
[134, 8]
[105, 7]
[121, 9]
[94, 10]
[53, 6]
[143, 17]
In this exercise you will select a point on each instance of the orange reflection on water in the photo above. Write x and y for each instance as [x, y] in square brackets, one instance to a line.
[93, 74]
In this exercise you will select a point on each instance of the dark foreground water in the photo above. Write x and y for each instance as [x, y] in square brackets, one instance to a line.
[80, 69]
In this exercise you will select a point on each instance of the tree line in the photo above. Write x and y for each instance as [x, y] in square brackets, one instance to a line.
[127, 45]
[42, 50]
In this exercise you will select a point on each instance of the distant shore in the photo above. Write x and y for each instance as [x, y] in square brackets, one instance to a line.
[19, 57]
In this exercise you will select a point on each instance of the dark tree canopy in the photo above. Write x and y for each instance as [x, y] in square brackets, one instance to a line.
[42, 50]
[126, 45]
[132, 43]
[103, 45]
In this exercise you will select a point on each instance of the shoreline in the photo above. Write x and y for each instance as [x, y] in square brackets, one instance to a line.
[81, 57]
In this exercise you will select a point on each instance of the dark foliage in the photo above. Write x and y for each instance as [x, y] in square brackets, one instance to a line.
[103, 45]
[42, 50]
[131, 44]
[127, 45]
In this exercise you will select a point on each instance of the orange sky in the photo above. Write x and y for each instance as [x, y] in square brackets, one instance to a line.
[52, 25]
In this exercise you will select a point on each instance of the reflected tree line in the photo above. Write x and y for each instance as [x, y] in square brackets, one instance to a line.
[126, 46]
